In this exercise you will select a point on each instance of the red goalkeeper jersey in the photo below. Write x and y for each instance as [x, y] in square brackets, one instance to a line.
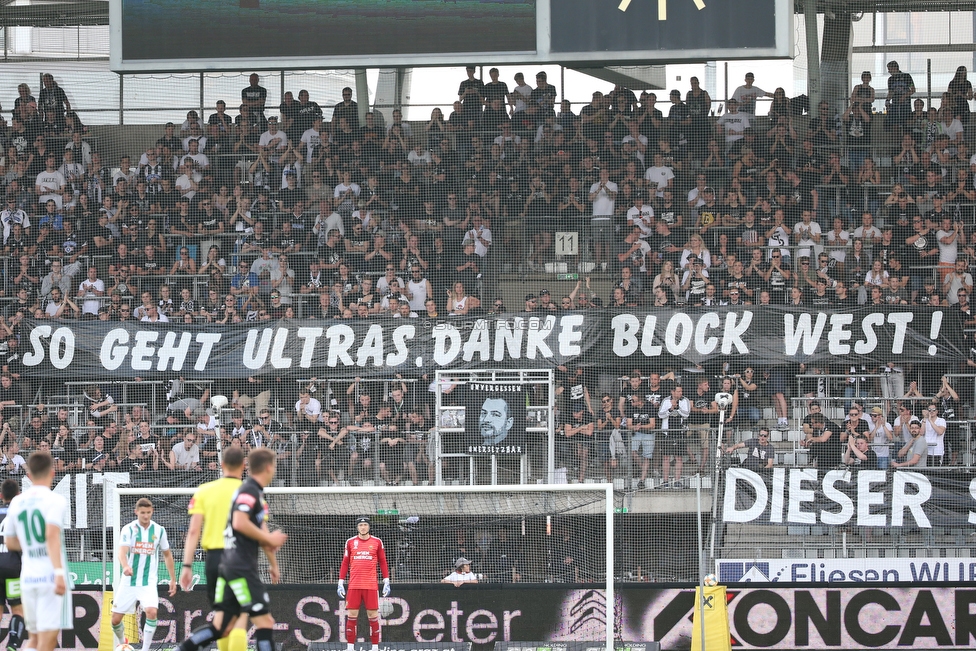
[360, 559]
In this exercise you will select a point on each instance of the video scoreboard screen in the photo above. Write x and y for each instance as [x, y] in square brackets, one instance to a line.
[161, 35]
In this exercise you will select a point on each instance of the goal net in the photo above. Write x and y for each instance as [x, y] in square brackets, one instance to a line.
[524, 534]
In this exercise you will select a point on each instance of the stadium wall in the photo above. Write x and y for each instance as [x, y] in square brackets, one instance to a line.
[920, 616]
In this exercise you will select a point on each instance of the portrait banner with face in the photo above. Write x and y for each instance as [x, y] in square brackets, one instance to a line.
[494, 421]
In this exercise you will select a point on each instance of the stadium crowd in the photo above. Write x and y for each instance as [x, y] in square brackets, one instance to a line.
[271, 211]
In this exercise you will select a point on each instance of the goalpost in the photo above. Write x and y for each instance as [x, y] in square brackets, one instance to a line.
[423, 528]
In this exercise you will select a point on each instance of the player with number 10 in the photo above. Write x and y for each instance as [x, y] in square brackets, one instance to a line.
[37, 517]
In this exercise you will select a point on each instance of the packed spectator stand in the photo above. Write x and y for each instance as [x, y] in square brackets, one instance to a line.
[268, 212]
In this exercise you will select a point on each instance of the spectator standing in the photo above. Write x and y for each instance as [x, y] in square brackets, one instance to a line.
[53, 98]
[901, 87]
[948, 403]
[91, 289]
[673, 412]
[960, 91]
[733, 124]
[823, 442]
[254, 96]
[471, 93]
[746, 95]
[641, 421]
[521, 93]
[934, 427]
[603, 194]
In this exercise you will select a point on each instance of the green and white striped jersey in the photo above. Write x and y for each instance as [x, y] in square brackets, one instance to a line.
[28, 517]
[144, 546]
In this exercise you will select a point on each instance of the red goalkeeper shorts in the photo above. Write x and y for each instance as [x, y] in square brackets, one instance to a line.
[370, 597]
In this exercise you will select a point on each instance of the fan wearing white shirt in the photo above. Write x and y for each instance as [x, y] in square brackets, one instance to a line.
[273, 142]
[867, 231]
[659, 177]
[73, 173]
[603, 194]
[747, 94]
[733, 124]
[521, 92]
[312, 138]
[50, 183]
[309, 409]
[345, 194]
[462, 573]
[480, 235]
[641, 215]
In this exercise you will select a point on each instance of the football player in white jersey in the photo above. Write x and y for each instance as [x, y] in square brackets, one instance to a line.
[37, 519]
[10, 570]
[140, 543]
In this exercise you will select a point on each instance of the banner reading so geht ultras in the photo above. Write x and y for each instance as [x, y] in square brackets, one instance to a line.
[611, 339]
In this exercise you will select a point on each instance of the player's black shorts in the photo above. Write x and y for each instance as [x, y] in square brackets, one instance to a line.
[211, 570]
[10, 578]
[241, 592]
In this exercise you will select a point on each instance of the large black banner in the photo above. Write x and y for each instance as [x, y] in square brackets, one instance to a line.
[865, 498]
[611, 339]
[780, 617]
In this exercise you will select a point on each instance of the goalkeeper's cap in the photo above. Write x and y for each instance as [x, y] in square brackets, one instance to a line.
[461, 561]
[362, 519]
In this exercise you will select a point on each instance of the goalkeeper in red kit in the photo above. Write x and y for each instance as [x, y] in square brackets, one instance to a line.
[362, 553]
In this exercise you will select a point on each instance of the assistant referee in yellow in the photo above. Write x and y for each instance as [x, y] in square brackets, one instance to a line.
[209, 510]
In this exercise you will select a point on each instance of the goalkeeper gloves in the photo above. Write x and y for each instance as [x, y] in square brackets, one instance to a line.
[386, 587]
[341, 590]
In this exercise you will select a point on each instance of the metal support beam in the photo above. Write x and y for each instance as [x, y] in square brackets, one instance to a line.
[401, 75]
[362, 94]
[813, 53]
[932, 47]
[121, 100]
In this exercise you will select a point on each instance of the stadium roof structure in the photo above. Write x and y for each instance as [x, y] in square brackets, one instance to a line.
[646, 77]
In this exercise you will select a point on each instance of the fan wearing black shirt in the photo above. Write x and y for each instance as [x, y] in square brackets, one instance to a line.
[577, 428]
[290, 195]
[823, 441]
[819, 296]
[239, 586]
[471, 92]
[327, 451]
[859, 455]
